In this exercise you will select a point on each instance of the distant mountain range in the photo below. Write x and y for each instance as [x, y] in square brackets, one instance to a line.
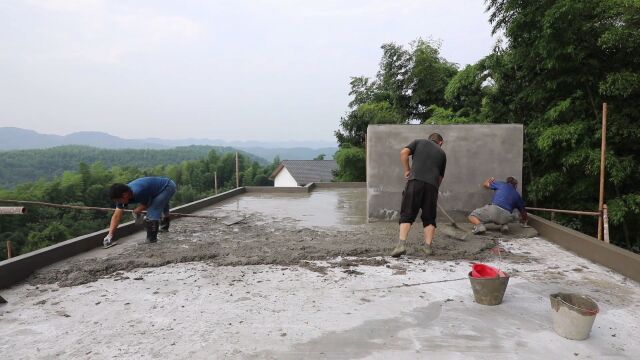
[12, 138]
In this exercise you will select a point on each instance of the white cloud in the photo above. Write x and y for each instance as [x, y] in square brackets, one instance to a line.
[157, 28]
[69, 5]
[94, 33]
[341, 8]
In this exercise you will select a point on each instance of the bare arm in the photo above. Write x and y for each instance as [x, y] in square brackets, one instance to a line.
[140, 208]
[404, 159]
[115, 220]
[487, 183]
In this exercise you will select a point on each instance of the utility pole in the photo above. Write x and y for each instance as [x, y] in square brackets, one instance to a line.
[603, 150]
[237, 171]
[215, 182]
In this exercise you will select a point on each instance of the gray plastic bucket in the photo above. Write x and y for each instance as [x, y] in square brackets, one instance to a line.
[573, 315]
[489, 291]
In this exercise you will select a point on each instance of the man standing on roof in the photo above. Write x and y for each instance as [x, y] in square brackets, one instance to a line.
[424, 177]
[153, 195]
[505, 199]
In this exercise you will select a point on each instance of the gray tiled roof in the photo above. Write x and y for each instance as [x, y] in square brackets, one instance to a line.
[308, 171]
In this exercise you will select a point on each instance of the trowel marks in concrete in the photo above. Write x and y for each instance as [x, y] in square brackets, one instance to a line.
[280, 242]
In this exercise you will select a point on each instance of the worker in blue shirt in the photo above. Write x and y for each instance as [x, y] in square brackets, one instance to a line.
[152, 194]
[505, 199]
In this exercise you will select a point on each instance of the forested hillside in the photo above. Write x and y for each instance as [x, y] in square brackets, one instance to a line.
[42, 227]
[558, 62]
[21, 166]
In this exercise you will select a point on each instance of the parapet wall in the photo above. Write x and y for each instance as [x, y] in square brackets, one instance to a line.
[474, 153]
[20, 267]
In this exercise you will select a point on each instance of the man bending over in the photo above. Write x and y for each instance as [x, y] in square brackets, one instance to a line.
[505, 199]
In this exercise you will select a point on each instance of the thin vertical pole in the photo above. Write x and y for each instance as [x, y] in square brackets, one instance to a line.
[215, 181]
[605, 219]
[9, 249]
[366, 158]
[603, 149]
[237, 171]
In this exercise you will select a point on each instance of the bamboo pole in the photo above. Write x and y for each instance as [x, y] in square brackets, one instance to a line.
[603, 150]
[79, 207]
[7, 210]
[605, 221]
[574, 212]
[215, 181]
[9, 249]
[237, 172]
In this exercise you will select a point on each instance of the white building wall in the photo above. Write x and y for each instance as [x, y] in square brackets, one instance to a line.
[284, 179]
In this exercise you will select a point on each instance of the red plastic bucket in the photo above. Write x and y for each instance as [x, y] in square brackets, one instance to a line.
[483, 271]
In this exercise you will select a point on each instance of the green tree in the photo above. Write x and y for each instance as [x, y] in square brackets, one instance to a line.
[553, 78]
[351, 164]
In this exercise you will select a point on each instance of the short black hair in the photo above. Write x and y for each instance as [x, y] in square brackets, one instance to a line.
[117, 190]
[436, 137]
[511, 180]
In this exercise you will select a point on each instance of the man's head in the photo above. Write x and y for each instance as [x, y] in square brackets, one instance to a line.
[436, 138]
[120, 193]
[511, 180]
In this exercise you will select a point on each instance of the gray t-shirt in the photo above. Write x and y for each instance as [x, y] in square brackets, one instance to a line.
[429, 161]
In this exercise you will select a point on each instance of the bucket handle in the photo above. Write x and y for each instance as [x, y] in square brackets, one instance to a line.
[592, 312]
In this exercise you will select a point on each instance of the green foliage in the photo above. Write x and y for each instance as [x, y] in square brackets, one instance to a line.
[351, 164]
[354, 125]
[554, 80]
[19, 166]
[43, 226]
[408, 82]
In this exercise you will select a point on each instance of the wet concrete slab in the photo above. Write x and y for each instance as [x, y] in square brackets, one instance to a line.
[279, 230]
[407, 309]
[321, 207]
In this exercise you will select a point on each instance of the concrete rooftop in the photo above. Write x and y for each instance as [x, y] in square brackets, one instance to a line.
[338, 308]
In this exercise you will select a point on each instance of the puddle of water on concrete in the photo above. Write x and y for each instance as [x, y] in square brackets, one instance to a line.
[321, 207]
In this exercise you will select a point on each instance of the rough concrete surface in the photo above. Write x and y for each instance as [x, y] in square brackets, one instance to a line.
[281, 230]
[407, 309]
[474, 153]
[282, 285]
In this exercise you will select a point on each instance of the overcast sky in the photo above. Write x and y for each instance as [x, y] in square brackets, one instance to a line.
[234, 70]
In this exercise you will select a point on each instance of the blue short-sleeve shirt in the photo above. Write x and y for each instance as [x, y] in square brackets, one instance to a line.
[145, 189]
[506, 196]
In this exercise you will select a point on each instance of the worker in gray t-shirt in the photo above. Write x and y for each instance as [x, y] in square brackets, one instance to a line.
[424, 176]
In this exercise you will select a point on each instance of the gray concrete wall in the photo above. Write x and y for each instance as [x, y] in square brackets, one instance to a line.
[474, 152]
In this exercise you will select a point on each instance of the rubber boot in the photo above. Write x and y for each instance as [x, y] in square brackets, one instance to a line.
[152, 230]
[164, 224]
[427, 250]
[400, 249]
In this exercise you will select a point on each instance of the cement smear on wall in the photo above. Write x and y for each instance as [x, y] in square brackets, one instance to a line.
[264, 238]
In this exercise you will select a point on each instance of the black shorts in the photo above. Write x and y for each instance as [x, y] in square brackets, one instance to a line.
[418, 195]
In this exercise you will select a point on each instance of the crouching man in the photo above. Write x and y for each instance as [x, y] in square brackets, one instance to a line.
[505, 199]
[151, 194]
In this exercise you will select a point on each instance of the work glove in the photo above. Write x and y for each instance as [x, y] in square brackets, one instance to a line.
[138, 218]
[107, 240]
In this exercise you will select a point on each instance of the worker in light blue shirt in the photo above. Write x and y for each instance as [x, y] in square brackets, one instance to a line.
[505, 199]
[152, 194]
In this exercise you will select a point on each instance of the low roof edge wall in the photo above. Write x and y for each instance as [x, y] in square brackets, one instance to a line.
[615, 258]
